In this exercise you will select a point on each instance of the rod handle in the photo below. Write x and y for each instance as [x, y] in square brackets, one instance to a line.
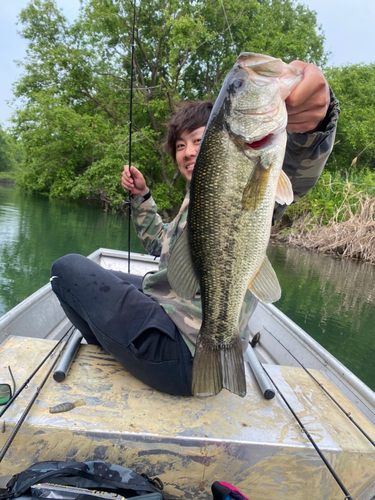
[67, 358]
[259, 373]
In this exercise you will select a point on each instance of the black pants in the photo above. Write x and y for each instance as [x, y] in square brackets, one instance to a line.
[110, 310]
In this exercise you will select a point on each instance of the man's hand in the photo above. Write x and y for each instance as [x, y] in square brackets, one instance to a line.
[308, 103]
[132, 180]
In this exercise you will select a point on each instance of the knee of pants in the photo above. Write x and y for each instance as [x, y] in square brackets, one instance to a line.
[68, 261]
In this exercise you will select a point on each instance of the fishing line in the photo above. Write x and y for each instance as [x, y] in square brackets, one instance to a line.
[28, 407]
[318, 450]
[230, 31]
[16, 394]
[130, 127]
[325, 390]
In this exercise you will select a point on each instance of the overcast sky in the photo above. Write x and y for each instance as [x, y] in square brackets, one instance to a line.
[349, 27]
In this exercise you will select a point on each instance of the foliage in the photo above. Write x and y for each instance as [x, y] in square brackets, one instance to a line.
[10, 155]
[332, 196]
[336, 217]
[73, 121]
[354, 86]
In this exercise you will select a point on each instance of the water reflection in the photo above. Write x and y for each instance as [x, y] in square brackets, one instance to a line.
[34, 232]
[333, 300]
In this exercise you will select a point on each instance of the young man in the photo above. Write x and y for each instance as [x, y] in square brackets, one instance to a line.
[145, 325]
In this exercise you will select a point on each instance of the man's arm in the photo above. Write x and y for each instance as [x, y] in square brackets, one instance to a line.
[147, 222]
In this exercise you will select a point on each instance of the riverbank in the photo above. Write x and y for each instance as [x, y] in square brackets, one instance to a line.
[7, 178]
[348, 235]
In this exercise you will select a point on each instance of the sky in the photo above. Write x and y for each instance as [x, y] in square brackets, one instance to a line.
[349, 27]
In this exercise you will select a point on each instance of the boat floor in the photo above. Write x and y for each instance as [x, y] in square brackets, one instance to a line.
[188, 443]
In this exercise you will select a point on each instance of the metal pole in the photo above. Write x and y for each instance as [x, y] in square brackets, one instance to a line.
[67, 359]
[259, 373]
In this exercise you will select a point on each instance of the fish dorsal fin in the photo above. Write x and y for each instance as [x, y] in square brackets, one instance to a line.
[256, 187]
[266, 286]
[284, 190]
[181, 273]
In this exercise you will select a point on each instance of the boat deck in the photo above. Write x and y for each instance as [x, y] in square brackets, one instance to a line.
[188, 443]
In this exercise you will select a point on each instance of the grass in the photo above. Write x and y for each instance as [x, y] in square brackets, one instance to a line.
[337, 217]
[7, 177]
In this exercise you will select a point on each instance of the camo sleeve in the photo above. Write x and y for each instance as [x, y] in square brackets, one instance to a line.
[148, 224]
[306, 155]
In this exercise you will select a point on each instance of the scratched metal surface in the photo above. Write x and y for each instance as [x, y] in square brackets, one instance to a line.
[189, 443]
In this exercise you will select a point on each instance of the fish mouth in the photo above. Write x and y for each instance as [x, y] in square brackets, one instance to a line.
[256, 145]
[261, 143]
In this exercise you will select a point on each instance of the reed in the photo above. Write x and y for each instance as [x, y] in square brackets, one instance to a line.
[349, 232]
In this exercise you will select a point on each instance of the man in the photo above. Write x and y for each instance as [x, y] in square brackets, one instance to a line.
[145, 325]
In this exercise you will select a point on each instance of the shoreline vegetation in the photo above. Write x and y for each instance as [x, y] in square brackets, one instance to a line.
[335, 218]
[7, 179]
[353, 238]
[70, 127]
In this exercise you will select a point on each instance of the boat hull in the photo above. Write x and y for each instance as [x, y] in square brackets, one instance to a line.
[188, 443]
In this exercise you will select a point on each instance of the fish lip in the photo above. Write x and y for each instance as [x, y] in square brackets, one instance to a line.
[253, 112]
[272, 108]
[260, 142]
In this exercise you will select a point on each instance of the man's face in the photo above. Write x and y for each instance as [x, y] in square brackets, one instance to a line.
[187, 146]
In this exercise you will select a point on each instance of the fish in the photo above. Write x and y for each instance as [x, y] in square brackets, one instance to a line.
[236, 179]
[66, 406]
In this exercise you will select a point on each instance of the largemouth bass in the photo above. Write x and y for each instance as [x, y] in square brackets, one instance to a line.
[237, 178]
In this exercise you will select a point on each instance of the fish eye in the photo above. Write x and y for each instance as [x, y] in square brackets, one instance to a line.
[237, 83]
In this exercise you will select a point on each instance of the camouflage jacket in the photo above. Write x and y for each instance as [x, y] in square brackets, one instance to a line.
[305, 157]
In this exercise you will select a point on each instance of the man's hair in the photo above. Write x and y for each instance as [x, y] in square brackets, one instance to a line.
[188, 117]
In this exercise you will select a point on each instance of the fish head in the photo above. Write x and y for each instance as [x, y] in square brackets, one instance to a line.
[252, 99]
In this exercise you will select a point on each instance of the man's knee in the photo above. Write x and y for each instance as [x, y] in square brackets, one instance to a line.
[69, 262]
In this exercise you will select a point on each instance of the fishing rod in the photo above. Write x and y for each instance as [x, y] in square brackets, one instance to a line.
[347, 414]
[31, 402]
[67, 359]
[25, 384]
[310, 438]
[130, 126]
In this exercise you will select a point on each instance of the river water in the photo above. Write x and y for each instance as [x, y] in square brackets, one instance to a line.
[333, 300]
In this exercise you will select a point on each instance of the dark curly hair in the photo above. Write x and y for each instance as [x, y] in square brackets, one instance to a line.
[188, 117]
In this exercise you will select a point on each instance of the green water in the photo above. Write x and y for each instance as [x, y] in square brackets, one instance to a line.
[333, 300]
[34, 232]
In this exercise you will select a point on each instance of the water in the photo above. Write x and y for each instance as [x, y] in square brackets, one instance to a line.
[333, 300]
[34, 232]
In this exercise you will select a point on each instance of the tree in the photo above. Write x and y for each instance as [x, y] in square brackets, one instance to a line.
[74, 120]
[10, 152]
[354, 86]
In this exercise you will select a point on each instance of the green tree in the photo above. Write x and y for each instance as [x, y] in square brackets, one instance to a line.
[354, 86]
[10, 152]
[75, 88]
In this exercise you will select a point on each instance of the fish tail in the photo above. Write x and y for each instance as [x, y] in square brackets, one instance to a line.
[215, 368]
[79, 402]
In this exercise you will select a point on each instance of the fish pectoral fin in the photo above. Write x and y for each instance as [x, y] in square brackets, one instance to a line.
[256, 187]
[284, 190]
[266, 286]
[216, 368]
[181, 273]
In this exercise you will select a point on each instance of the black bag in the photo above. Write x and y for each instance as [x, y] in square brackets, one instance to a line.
[99, 477]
